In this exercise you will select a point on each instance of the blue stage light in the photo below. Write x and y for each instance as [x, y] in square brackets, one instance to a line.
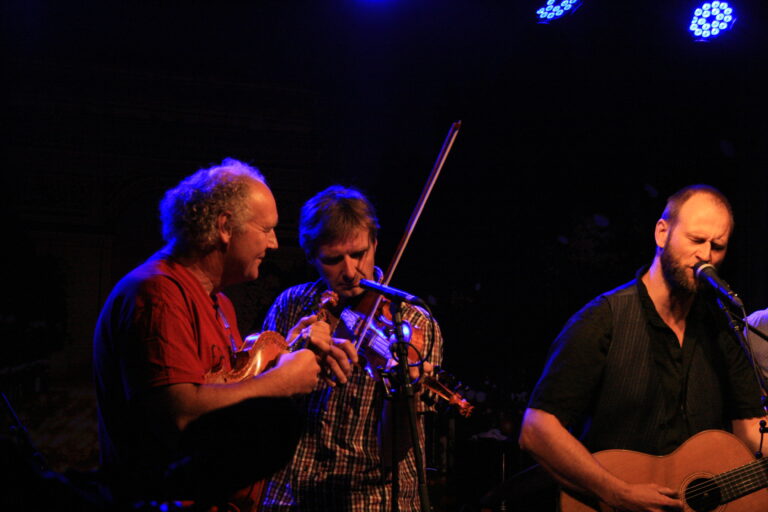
[711, 19]
[555, 9]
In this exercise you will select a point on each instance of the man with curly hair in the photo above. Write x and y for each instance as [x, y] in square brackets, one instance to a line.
[166, 430]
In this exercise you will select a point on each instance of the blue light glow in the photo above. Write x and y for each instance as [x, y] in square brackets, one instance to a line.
[555, 9]
[711, 20]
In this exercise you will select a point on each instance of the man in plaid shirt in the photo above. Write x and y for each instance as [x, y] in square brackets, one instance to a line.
[340, 464]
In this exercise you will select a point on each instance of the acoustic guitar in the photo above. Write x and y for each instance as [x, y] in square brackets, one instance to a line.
[712, 471]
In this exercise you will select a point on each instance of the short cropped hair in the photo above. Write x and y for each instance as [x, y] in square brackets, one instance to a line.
[679, 198]
[333, 215]
[189, 211]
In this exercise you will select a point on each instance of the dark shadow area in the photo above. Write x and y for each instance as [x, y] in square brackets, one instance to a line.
[573, 135]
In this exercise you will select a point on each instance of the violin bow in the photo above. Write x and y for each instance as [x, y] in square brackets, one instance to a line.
[425, 192]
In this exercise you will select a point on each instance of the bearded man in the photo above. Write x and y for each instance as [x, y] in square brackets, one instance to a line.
[645, 366]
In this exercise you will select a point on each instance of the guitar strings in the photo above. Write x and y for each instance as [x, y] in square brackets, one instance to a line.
[743, 477]
[752, 467]
[728, 491]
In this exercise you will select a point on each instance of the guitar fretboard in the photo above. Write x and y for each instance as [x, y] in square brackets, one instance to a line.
[743, 480]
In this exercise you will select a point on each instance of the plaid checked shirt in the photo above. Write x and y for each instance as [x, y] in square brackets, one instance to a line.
[337, 464]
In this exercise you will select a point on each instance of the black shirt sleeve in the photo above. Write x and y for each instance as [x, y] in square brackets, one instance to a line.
[575, 364]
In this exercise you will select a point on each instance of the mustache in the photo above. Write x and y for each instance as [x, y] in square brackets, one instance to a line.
[359, 274]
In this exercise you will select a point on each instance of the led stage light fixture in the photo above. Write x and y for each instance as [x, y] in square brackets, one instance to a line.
[711, 19]
[556, 9]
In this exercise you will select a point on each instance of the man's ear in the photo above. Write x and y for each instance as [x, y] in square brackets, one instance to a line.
[661, 234]
[224, 227]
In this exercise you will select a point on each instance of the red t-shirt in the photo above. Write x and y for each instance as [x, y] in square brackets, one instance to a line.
[158, 327]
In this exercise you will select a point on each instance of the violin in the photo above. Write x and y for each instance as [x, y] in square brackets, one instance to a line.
[260, 351]
[373, 342]
[432, 382]
[374, 334]
[370, 323]
[375, 351]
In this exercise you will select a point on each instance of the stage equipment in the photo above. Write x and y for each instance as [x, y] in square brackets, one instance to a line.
[706, 275]
[556, 9]
[711, 19]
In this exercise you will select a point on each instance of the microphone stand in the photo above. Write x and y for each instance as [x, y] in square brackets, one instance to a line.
[403, 389]
[737, 324]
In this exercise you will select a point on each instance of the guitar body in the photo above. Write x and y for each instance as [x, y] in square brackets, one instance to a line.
[703, 456]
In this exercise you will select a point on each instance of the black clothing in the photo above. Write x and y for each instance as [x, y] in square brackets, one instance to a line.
[618, 376]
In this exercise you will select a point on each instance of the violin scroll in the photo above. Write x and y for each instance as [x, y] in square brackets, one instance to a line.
[433, 383]
[329, 299]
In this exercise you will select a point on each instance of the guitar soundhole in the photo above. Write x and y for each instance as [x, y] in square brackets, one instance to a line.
[702, 495]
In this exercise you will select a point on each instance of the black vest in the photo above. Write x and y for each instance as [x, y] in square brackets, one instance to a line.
[630, 406]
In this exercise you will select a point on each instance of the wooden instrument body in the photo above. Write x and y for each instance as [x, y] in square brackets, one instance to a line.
[705, 455]
[259, 353]
[373, 335]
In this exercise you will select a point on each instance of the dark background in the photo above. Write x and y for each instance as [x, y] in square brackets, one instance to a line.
[573, 136]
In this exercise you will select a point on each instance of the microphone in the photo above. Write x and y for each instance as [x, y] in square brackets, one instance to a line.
[707, 276]
[391, 293]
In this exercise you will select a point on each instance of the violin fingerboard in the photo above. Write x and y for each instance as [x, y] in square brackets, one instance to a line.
[376, 340]
[380, 345]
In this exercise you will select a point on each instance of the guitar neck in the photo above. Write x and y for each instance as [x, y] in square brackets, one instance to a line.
[744, 480]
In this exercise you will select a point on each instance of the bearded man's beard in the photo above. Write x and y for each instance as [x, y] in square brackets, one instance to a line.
[676, 275]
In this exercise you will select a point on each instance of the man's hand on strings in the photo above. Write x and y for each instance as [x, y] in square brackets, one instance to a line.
[335, 355]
